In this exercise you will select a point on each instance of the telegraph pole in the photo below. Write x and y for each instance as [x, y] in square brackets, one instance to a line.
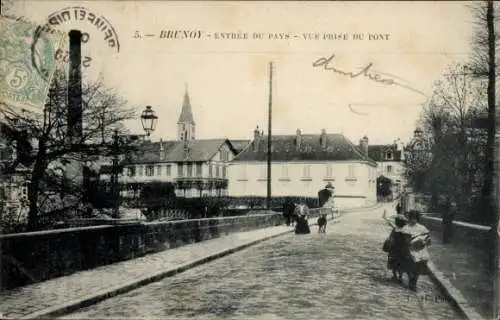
[269, 135]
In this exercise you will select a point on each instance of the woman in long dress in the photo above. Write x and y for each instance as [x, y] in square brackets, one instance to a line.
[396, 247]
[418, 239]
[302, 226]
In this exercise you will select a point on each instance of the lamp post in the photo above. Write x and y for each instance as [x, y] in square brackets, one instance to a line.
[115, 193]
[149, 119]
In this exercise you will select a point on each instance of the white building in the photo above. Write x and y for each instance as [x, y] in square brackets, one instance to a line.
[196, 167]
[390, 163]
[302, 164]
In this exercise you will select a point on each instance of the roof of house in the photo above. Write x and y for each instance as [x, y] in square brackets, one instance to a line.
[239, 145]
[283, 147]
[198, 151]
[186, 112]
[378, 152]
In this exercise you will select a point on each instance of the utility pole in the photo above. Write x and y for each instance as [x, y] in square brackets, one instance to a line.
[115, 191]
[492, 173]
[269, 135]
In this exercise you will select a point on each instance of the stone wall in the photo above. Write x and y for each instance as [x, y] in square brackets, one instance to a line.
[466, 234]
[38, 256]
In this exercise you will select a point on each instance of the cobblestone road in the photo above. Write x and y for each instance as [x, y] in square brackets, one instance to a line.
[337, 275]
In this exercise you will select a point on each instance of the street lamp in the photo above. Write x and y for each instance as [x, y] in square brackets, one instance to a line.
[149, 119]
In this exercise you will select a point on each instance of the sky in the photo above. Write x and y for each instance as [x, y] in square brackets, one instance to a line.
[228, 79]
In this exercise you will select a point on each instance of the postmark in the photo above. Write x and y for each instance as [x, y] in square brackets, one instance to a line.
[27, 62]
[90, 23]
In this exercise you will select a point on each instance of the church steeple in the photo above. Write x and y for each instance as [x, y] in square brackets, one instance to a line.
[186, 124]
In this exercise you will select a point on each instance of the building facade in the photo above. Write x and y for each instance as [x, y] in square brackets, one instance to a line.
[14, 178]
[390, 163]
[196, 167]
[302, 164]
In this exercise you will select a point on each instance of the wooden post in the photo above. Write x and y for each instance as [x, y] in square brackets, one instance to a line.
[269, 135]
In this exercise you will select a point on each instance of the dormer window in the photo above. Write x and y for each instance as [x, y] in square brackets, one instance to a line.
[388, 155]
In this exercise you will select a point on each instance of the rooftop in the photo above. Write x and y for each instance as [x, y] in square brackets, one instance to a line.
[284, 148]
[175, 151]
[380, 152]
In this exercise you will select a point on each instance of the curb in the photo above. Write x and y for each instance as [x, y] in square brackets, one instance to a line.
[454, 297]
[97, 297]
[94, 298]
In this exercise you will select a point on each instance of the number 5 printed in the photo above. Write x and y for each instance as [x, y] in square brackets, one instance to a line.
[17, 79]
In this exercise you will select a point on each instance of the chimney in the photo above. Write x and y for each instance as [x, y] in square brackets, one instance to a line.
[186, 149]
[298, 139]
[162, 150]
[75, 87]
[417, 133]
[256, 138]
[363, 145]
[322, 139]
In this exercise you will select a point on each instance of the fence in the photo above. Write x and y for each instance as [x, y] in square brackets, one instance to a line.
[38, 256]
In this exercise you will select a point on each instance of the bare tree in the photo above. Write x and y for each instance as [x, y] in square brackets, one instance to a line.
[456, 146]
[43, 136]
[483, 65]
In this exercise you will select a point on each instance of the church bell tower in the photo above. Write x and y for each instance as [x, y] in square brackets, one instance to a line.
[186, 124]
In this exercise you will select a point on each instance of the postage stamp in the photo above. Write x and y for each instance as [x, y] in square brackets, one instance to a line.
[27, 62]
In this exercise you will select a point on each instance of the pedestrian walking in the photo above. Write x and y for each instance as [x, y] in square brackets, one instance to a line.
[418, 238]
[396, 248]
[288, 209]
[302, 226]
[447, 218]
[399, 208]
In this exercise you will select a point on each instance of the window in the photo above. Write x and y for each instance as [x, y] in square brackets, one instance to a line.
[179, 170]
[224, 171]
[243, 171]
[352, 172]
[389, 169]
[210, 170]
[224, 155]
[329, 170]
[140, 171]
[189, 169]
[263, 172]
[199, 170]
[284, 171]
[169, 169]
[150, 171]
[306, 172]
[217, 171]
[388, 155]
[131, 171]
[158, 170]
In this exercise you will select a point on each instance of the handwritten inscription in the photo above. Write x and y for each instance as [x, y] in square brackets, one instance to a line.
[366, 71]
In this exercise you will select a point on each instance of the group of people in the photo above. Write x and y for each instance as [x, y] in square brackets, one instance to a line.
[296, 215]
[407, 246]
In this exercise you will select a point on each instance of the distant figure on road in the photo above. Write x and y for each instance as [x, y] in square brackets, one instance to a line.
[399, 208]
[302, 226]
[448, 215]
[288, 209]
[322, 223]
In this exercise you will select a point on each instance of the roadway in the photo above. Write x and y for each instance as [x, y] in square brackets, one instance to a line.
[338, 275]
